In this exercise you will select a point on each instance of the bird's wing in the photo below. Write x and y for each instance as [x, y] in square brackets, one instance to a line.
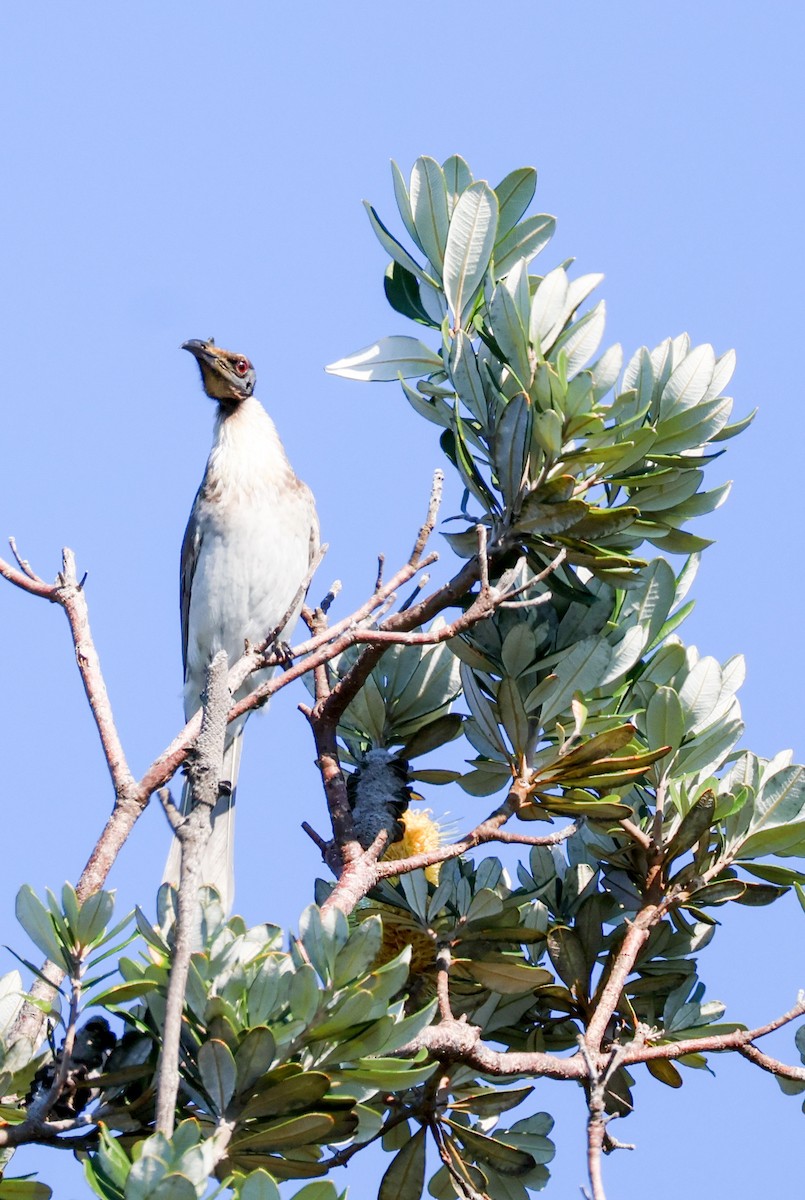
[191, 548]
[315, 533]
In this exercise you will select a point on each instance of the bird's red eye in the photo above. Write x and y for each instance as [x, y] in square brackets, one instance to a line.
[241, 366]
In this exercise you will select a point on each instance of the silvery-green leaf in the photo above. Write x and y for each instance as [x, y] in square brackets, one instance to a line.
[680, 349]
[433, 302]
[662, 365]
[404, 202]
[509, 333]
[547, 429]
[698, 505]
[388, 359]
[517, 285]
[581, 341]
[10, 999]
[94, 916]
[433, 410]
[513, 715]
[606, 370]
[481, 710]
[577, 671]
[689, 382]
[428, 198]
[782, 798]
[514, 194]
[38, 924]
[392, 246]
[458, 177]
[511, 446]
[625, 654]
[415, 888]
[722, 374]
[519, 649]
[547, 307]
[650, 604]
[466, 376]
[693, 427]
[523, 242]
[406, 1029]
[708, 750]
[664, 720]
[700, 692]
[470, 238]
[668, 493]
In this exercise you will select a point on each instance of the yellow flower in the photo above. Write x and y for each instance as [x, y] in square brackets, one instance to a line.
[422, 835]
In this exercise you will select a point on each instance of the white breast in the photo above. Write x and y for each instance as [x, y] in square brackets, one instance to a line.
[255, 519]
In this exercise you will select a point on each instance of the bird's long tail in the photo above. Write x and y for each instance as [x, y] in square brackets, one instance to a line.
[218, 860]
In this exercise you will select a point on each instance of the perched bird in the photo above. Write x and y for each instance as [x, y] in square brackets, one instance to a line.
[252, 534]
[91, 1048]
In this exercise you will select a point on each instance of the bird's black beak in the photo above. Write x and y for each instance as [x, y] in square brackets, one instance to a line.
[197, 348]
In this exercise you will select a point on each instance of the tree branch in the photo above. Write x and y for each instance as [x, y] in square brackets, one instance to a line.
[193, 833]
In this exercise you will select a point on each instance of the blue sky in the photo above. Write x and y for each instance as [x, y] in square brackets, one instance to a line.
[183, 170]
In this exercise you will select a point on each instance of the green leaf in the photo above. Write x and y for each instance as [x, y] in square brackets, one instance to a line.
[94, 916]
[720, 892]
[508, 977]
[300, 1090]
[358, 955]
[254, 1056]
[523, 242]
[566, 952]
[258, 1185]
[218, 1072]
[489, 1102]
[466, 376]
[405, 1178]
[38, 924]
[457, 176]
[514, 194]
[290, 1131]
[320, 1189]
[509, 332]
[512, 444]
[513, 715]
[548, 432]
[473, 228]
[688, 383]
[695, 823]
[174, 1187]
[665, 719]
[428, 199]
[24, 1189]
[402, 293]
[393, 247]
[403, 201]
[384, 1074]
[490, 1149]
[665, 1071]
[388, 359]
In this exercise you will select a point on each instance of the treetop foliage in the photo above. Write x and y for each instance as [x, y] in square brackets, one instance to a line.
[418, 1008]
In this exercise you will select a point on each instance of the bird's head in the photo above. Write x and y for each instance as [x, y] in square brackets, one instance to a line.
[227, 377]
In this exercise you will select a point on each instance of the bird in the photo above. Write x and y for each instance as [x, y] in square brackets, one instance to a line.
[250, 541]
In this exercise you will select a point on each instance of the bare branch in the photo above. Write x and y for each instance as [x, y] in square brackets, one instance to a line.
[767, 1063]
[621, 965]
[193, 833]
[739, 1039]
